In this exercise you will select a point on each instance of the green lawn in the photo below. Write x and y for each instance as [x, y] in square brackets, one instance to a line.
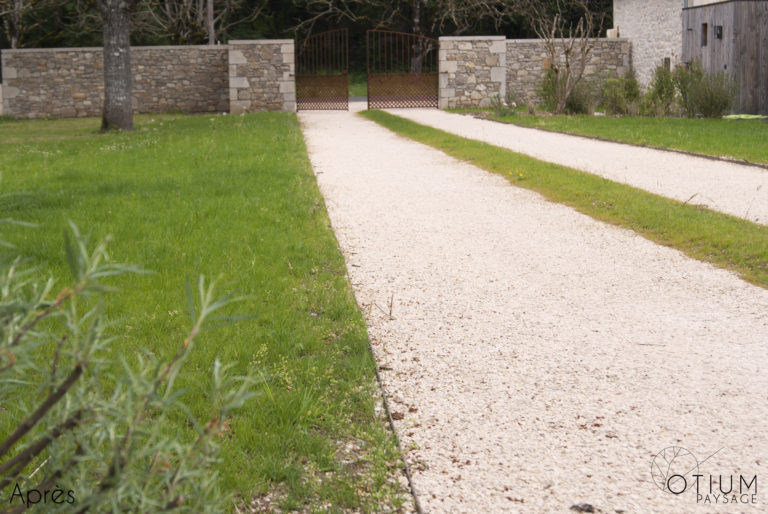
[358, 83]
[735, 139]
[231, 197]
[723, 240]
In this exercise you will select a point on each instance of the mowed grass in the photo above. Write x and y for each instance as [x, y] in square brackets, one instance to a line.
[234, 198]
[745, 140]
[723, 240]
[358, 83]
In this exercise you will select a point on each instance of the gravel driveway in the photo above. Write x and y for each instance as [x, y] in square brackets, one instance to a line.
[536, 359]
[727, 187]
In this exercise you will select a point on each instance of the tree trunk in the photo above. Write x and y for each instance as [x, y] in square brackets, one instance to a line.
[118, 111]
[416, 22]
[209, 25]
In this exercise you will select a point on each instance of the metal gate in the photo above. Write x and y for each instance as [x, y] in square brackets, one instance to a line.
[402, 70]
[322, 68]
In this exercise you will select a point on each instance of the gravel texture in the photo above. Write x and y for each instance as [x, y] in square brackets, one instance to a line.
[723, 186]
[534, 359]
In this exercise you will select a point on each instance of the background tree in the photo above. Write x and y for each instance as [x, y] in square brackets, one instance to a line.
[198, 21]
[430, 18]
[62, 23]
[19, 19]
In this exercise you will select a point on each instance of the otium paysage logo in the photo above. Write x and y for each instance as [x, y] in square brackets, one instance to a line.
[676, 470]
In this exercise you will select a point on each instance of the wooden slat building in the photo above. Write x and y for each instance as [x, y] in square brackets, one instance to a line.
[732, 36]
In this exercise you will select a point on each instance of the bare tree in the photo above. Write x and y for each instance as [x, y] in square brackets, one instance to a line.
[568, 45]
[118, 108]
[16, 18]
[423, 17]
[195, 21]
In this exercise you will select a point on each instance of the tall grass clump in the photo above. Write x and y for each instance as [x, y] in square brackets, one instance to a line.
[703, 93]
[505, 106]
[660, 99]
[582, 100]
[621, 94]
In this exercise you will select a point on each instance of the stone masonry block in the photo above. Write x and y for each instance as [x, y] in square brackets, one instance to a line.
[287, 86]
[498, 74]
[465, 45]
[498, 47]
[448, 67]
[238, 82]
[239, 106]
[9, 73]
[10, 92]
[237, 57]
[447, 92]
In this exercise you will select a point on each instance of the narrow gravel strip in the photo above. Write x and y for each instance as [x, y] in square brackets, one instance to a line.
[722, 186]
[534, 358]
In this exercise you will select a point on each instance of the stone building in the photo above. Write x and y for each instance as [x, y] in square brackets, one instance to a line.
[728, 35]
[654, 29]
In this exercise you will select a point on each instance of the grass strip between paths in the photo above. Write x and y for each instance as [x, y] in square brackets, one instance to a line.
[737, 140]
[723, 240]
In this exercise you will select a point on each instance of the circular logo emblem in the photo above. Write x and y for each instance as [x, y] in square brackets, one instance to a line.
[672, 469]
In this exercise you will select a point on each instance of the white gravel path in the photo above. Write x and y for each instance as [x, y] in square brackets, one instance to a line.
[723, 186]
[536, 358]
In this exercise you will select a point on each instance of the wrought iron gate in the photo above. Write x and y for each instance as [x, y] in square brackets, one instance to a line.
[322, 68]
[402, 70]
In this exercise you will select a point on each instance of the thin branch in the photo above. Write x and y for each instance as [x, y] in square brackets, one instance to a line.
[14, 466]
[41, 411]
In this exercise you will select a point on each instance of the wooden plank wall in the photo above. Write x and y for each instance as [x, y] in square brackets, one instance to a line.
[742, 52]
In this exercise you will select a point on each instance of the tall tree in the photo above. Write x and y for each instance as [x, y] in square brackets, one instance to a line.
[118, 108]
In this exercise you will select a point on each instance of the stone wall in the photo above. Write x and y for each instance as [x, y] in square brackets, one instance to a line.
[475, 69]
[527, 63]
[244, 76]
[69, 82]
[654, 27]
[472, 70]
[262, 76]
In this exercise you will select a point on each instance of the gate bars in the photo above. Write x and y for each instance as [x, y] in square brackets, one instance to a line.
[322, 68]
[402, 70]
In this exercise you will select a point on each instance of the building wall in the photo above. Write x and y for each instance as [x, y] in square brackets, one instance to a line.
[653, 27]
[742, 51]
[527, 63]
[69, 82]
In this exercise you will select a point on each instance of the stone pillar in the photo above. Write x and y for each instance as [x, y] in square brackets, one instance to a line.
[262, 76]
[472, 70]
[9, 74]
